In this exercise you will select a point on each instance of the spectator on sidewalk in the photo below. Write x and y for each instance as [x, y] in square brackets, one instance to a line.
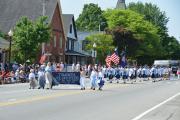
[32, 79]
[178, 73]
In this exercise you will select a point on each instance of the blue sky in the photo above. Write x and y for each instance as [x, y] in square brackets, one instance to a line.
[171, 7]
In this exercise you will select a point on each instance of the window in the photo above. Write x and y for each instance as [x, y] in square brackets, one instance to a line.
[67, 45]
[72, 45]
[84, 43]
[55, 40]
[69, 41]
[60, 41]
[70, 28]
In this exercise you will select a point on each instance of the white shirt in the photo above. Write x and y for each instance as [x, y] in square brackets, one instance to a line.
[31, 76]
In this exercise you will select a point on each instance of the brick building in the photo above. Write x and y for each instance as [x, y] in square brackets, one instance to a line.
[13, 10]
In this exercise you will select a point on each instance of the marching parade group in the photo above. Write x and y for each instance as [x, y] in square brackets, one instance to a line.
[100, 74]
[41, 76]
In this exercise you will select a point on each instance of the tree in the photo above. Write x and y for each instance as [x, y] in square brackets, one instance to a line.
[123, 38]
[90, 18]
[28, 36]
[104, 45]
[133, 27]
[1, 34]
[153, 14]
[172, 48]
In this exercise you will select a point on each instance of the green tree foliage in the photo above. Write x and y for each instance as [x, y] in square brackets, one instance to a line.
[123, 38]
[90, 18]
[1, 34]
[153, 14]
[104, 45]
[28, 35]
[134, 28]
[172, 48]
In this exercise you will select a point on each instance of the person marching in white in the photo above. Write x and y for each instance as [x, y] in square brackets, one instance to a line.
[121, 73]
[110, 74]
[41, 78]
[78, 67]
[100, 79]
[93, 78]
[134, 74]
[178, 73]
[104, 71]
[144, 73]
[139, 72]
[131, 74]
[32, 79]
[124, 75]
[73, 67]
[48, 75]
[148, 73]
[82, 78]
[117, 74]
[153, 74]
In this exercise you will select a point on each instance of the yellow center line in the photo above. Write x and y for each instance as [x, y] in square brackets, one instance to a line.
[38, 98]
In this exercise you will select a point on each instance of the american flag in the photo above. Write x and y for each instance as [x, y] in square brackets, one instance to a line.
[115, 57]
[108, 60]
[43, 59]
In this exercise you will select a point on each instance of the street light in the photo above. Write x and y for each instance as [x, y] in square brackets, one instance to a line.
[94, 54]
[10, 33]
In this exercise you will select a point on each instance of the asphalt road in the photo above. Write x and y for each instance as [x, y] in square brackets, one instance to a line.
[115, 102]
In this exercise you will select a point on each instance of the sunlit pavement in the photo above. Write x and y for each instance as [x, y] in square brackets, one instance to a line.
[68, 102]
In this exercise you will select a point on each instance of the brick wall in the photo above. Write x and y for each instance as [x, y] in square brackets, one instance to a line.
[56, 49]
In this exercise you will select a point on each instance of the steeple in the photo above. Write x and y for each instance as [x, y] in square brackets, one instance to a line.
[121, 4]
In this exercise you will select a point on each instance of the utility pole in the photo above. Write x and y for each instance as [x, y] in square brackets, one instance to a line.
[43, 13]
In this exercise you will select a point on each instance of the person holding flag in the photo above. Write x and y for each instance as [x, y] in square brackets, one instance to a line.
[42, 59]
[123, 59]
[108, 61]
[115, 57]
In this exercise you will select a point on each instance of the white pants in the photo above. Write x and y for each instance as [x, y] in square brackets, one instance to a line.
[48, 78]
[82, 82]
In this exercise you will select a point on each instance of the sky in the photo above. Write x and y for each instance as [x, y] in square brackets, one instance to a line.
[171, 7]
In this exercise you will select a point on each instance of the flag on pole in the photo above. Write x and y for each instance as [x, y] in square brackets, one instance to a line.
[123, 60]
[108, 60]
[115, 57]
[43, 59]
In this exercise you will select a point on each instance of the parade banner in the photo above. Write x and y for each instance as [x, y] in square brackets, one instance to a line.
[67, 77]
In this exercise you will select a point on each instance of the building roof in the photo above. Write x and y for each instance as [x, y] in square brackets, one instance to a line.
[67, 20]
[121, 4]
[12, 10]
[4, 43]
[71, 52]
